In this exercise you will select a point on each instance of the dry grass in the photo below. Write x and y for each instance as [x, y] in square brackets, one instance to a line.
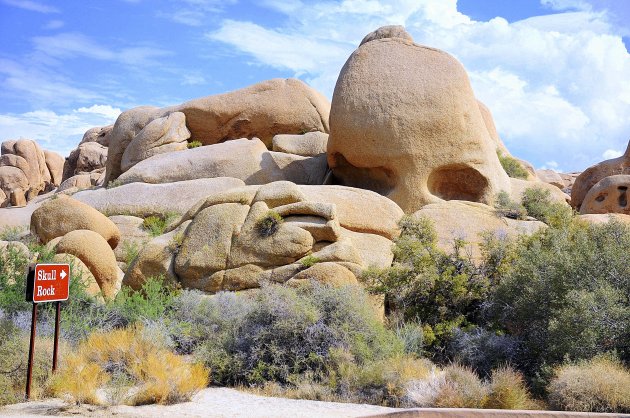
[461, 388]
[129, 366]
[507, 390]
[598, 385]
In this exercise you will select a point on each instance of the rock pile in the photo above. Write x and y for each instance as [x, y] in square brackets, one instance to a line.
[26, 171]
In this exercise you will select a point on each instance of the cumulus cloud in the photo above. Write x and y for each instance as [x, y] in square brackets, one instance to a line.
[59, 132]
[556, 84]
[611, 153]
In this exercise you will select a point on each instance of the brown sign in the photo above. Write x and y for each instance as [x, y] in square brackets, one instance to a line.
[51, 282]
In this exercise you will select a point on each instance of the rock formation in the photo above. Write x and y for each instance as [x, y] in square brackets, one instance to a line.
[26, 171]
[594, 174]
[263, 110]
[412, 132]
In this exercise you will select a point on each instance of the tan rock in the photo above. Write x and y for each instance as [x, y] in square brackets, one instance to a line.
[488, 121]
[262, 110]
[391, 31]
[161, 135]
[18, 199]
[54, 163]
[592, 175]
[551, 177]
[412, 132]
[80, 182]
[98, 134]
[86, 158]
[207, 244]
[284, 246]
[602, 218]
[243, 159]
[467, 221]
[332, 274]
[80, 270]
[609, 195]
[569, 180]
[156, 259]
[307, 145]
[20, 217]
[375, 250]
[133, 237]
[36, 170]
[143, 200]
[91, 248]
[12, 178]
[59, 216]
[519, 186]
[279, 193]
[4, 199]
[359, 210]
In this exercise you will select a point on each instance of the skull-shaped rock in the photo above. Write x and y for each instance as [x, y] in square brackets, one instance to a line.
[609, 195]
[404, 122]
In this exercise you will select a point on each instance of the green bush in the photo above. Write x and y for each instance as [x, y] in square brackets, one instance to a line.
[442, 291]
[512, 166]
[156, 224]
[194, 144]
[566, 294]
[508, 208]
[282, 332]
[269, 224]
[601, 384]
[309, 261]
[538, 204]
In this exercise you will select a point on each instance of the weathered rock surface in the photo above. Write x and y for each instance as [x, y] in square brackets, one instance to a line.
[592, 175]
[86, 158]
[92, 249]
[391, 31]
[601, 218]
[156, 259]
[240, 238]
[519, 186]
[243, 159]
[468, 221]
[551, 177]
[79, 269]
[308, 145]
[27, 171]
[263, 110]
[139, 199]
[411, 132]
[11, 217]
[57, 217]
[82, 181]
[132, 236]
[609, 195]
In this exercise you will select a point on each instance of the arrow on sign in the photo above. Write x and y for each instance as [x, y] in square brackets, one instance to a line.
[63, 274]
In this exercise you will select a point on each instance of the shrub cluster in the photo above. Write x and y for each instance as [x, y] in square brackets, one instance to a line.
[512, 166]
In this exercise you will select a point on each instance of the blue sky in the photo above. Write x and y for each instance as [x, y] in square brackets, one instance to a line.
[555, 73]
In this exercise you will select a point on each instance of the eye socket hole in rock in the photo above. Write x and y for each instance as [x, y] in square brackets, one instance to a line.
[458, 182]
[378, 179]
[623, 197]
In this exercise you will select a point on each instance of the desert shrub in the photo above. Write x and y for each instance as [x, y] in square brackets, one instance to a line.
[538, 204]
[151, 302]
[482, 349]
[381, 382]
[12, 233]
[131, 250]
[507, 390]
[460, 388]
[114, 183]
[13, 264]
[14, 345]
[194, 144]
[512, 166]
[156, 224]
[269, 224]
[597, 385]
[309, 261]
[442, 291]
[155, 374]
[505, 206]
[567, 294]
[283, 332]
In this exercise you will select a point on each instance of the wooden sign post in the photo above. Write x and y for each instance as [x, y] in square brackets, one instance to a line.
[45, 283]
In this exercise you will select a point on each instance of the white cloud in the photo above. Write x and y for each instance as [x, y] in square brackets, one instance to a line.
[32, 6]
[556, 84]
[54, 24]
[194, 12]
[59, 132]
[611, 153]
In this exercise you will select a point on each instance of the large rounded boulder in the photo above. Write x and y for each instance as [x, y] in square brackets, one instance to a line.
[404, 122]
[62, 214]
[609, 195]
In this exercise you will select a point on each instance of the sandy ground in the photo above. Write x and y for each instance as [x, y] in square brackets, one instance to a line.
[212, 402]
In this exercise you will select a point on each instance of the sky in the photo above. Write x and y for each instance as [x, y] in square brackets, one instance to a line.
[555, 73]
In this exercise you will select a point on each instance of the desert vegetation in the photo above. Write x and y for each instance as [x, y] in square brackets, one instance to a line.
[537, 323]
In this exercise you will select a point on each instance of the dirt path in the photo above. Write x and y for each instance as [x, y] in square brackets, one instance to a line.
[212, 402]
